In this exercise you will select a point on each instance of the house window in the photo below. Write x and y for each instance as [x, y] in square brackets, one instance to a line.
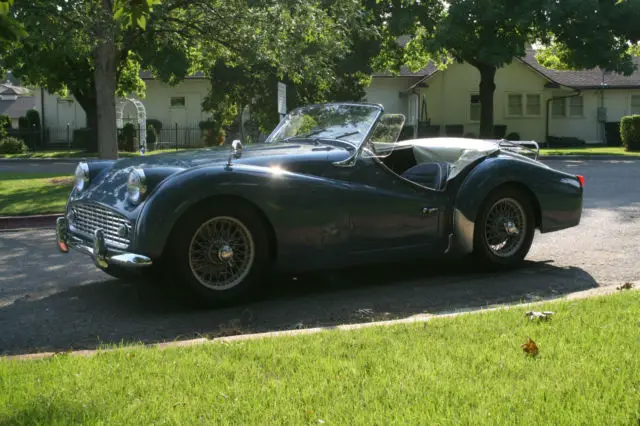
[524, 105]
[533, 105]
[635, 104]
[558, 107]
[177, 102]
[576, 108]
[474, 108]
[515, 105]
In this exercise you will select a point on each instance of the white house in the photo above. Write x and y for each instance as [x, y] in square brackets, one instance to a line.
[15, 101]
[531, 100]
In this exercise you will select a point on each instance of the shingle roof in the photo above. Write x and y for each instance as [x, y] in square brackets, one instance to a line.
[585, 79]
[18, 107]
[10, 89]
[406, 72]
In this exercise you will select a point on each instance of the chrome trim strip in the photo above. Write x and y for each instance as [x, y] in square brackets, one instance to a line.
[464, 229]
[99, 252]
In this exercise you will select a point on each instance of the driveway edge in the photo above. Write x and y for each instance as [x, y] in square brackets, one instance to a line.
[607, 289]
[12, 223]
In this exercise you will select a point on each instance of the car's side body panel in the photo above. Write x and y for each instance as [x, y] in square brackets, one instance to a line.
[304, 211]
[558, 194]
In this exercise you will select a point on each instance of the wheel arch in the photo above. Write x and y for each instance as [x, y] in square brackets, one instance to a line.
[227, 198]
[465, 215]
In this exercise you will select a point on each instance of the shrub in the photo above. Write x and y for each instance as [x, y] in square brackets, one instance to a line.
[23, 123]
[157, 125]
[630, 132]
[513, 136]
[33, 118]
[5, 122]
[12, 145]
[152, 134]
[212, 134]
[126, 137]
[564, 142]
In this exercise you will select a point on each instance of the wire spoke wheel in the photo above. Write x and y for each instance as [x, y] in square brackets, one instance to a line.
[505, 227]
[221, 253]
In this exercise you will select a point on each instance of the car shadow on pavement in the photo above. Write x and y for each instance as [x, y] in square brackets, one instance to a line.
[116, 312]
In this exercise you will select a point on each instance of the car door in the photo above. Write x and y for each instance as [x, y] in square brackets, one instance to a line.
[390, 216]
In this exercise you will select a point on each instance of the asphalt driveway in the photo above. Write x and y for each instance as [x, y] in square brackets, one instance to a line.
[50, 301]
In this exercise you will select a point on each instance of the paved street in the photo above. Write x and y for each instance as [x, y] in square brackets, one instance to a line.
[51, 301]
[60, 167]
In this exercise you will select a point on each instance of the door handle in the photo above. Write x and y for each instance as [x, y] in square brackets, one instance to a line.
[427, 211]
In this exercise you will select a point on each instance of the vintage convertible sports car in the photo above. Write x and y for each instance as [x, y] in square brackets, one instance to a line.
[330, 187]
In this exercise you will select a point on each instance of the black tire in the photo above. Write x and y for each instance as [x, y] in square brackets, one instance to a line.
[181, 241]
[483, 253]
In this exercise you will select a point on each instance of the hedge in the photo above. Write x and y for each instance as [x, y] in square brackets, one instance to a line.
[11, 145]
[5, 121]
[630, 132]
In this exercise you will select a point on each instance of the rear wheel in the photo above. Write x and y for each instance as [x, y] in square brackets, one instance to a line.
[221, 253]
[505, 227]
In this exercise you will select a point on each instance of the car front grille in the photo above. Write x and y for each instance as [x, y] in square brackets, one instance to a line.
[86, 218]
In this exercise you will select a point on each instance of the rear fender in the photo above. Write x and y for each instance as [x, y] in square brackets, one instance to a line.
[556, 195]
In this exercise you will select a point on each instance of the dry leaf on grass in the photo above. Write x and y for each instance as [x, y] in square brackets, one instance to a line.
[543, 316]
[625, 286]
[530, 348]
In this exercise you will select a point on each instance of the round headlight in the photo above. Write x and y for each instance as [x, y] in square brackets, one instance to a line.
[136, 186]
[81, 176]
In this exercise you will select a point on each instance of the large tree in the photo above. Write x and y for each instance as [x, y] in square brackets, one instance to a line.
[489, 34]
[326, 58]
[93, 50]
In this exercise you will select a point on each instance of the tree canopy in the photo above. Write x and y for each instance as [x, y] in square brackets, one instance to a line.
[488, 34]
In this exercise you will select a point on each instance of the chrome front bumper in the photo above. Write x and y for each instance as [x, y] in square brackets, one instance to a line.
[101, 256]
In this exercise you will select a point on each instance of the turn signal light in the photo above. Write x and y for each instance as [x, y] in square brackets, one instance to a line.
[581, 180]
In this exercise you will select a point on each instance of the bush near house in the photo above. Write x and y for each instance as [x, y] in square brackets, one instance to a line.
[11, 145]
[5, 121]
[213, 134]
[23, 123]
[126, 138]
[630, 132]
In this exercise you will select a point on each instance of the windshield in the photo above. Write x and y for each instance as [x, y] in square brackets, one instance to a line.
[348, 123]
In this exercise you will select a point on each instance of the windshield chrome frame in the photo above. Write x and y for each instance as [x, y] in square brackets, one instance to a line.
[357, 147]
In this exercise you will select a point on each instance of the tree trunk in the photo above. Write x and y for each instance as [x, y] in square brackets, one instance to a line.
[88, 104]
[104, 76]
[487, 88]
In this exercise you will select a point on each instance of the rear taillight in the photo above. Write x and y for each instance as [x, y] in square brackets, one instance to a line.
[581, 180]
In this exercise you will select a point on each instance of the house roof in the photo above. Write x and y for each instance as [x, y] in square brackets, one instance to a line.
[18, 107]
[578, 79]
[427, 71]
[9, 89]
[585, 79]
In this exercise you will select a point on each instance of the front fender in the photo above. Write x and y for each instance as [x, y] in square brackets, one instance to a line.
[274, 191]
[558, 195]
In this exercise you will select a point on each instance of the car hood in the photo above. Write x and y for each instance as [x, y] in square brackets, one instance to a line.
[258, 154]
[109, 184]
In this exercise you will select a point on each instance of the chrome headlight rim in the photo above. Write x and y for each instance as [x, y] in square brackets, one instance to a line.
[136, 186]
[81, 175]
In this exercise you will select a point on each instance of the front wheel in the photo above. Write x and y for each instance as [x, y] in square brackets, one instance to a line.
[221, 253]
[504, 229]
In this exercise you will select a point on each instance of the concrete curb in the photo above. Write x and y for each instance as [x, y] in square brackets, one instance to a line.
[607, 289]
[10, 223]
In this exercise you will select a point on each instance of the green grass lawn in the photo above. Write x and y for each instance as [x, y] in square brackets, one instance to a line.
[606, 150]
[26, 194]
[464, 370]
[74, 153]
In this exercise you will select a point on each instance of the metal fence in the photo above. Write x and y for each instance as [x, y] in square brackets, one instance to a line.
[175, 137]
